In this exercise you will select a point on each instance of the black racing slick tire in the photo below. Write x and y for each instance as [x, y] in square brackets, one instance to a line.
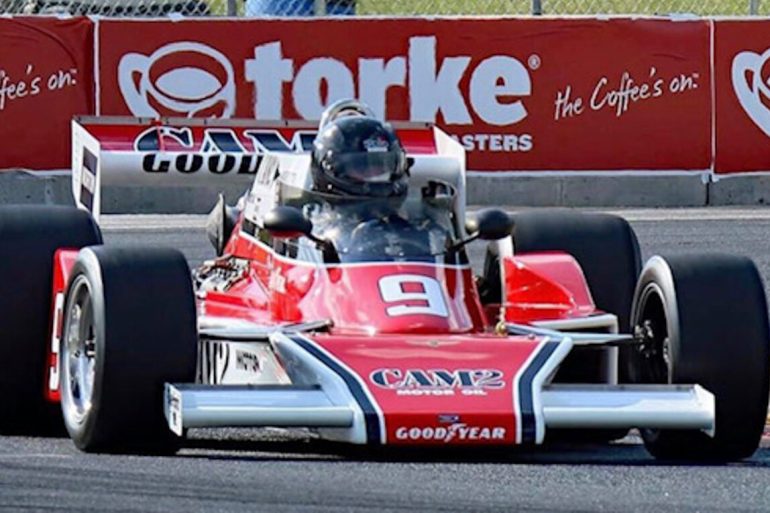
[129, 327]
[29, 237]
[702, 319]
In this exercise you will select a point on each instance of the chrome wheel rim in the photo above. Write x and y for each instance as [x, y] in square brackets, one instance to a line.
[78, 353]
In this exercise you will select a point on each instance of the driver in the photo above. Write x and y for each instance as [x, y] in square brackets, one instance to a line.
[355, 156]
[358, 155]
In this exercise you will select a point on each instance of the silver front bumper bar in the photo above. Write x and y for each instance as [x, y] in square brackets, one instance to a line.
[561, 406]
[195, 406]
[626, 406]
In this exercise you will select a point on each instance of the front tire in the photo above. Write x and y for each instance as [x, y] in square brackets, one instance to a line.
[129, 327]
[703, 320]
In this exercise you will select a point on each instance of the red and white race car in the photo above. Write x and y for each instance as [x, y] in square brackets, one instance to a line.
[362, 319]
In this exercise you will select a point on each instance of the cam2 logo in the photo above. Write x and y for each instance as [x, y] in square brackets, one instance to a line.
[438, 381]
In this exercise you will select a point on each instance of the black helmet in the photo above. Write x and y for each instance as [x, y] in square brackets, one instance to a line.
[357, 155]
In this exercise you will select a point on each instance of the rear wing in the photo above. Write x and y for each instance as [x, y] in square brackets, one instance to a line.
[173, 152]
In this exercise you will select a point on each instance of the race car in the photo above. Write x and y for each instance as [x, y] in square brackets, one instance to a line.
[342, 300]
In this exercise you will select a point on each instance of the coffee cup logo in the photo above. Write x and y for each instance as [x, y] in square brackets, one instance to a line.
[751, 73]
[183, 79]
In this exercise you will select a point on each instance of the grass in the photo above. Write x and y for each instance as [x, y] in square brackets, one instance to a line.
[550, 7]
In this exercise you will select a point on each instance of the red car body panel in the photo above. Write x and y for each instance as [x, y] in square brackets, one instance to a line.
[415, 334]
[454, 389]
[63, 261]
[545, 286]
[360, 298]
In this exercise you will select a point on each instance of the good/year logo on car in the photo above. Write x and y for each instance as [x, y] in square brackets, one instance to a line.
[438, 381]
[453, 433]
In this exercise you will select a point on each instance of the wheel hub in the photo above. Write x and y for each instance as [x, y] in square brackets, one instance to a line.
[653, 348]
[78, 358]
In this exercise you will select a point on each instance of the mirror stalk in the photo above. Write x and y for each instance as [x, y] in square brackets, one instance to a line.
[459, 244]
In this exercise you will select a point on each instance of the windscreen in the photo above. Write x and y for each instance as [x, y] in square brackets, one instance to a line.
[414, 228]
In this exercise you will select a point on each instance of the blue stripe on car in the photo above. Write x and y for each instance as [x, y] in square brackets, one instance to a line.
[371, 417]
[527, 418]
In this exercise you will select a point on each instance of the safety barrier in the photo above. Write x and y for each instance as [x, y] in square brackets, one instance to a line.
[532, 95]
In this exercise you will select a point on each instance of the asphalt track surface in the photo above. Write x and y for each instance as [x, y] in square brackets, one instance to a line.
[275, 471]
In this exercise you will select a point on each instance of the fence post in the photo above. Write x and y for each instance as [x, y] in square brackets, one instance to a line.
[754, 7]
[320, 7]
[537, 7]
[232, 8]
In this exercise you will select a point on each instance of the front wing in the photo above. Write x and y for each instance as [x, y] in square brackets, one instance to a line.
[422, 390]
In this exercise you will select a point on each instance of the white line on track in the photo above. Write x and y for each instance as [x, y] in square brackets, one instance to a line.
[693, 214]
[33, 455]
[163, 222]
[152, 222]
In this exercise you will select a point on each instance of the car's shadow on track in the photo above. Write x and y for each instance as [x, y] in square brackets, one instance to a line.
[628, 453]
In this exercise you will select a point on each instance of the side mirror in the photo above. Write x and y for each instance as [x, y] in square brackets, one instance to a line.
[220, 223]
[490, 224]
[287, 223]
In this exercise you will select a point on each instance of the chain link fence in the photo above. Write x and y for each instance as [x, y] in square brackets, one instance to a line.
[386, 8]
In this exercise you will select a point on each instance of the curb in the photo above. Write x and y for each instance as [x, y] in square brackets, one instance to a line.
[594, 190]
[740, 190]
[48, 188]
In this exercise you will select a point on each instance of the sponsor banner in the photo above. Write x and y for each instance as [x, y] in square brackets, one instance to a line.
[46, 77]
[234, 137]
[742, 95]
[519, 94]
[195, 151]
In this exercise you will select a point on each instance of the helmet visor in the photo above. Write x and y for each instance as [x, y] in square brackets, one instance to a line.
[368, 166]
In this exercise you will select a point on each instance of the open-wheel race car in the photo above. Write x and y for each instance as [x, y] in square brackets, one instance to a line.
[342, 300]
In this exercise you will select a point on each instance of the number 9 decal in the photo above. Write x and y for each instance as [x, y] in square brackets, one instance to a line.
[423, 294]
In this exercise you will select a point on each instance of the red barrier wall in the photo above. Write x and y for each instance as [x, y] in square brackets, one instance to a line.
[46, 77]
[521, 94]
[742, 95]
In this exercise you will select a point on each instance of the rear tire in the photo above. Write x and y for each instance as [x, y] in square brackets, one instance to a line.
[129, 327]
[29, 237]
[703, 320]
